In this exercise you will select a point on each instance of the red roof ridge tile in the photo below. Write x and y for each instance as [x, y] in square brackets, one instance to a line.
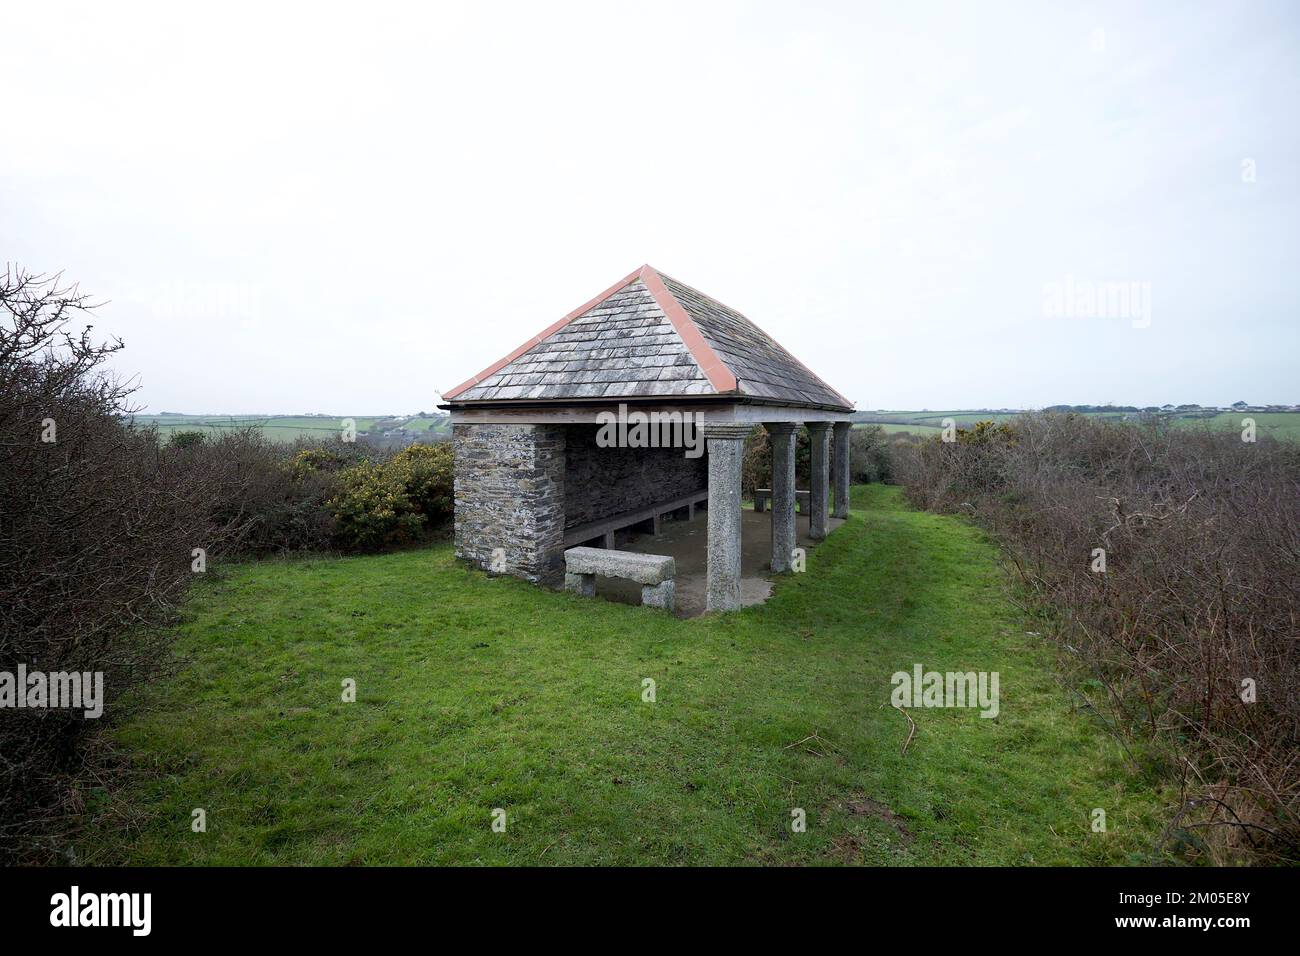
[714, 369]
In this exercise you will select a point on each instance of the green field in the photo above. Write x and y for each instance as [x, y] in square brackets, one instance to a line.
[892, 429]
[1282, 425]
[292, 427]
[1285, 425]
[931, 419]
[477, 693]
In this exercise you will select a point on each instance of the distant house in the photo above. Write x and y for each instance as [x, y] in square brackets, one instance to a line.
[533, 476]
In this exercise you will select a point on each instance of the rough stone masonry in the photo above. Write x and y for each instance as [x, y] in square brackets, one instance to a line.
[510, 499]
[603, 482]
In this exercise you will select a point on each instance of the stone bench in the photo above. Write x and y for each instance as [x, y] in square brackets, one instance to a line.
[763, 495]
[606, 528]
[656, 573]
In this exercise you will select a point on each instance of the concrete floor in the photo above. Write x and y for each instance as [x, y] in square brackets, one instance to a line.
[685, 541]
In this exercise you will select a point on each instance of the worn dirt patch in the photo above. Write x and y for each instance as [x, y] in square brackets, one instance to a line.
[847, 849]
[864, 806]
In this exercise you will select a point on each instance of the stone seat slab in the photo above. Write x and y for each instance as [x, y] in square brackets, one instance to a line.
[651, 569]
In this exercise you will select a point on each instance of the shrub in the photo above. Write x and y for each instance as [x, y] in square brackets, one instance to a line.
[186, 439]
[254, 488]
[278, 495]
[756, 464]
[393, 502]
[97, 528]
[427, 477]
[869, 459]
[306, 462]
[372, 509]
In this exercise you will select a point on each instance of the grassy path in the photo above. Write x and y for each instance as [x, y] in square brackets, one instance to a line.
[475, 693]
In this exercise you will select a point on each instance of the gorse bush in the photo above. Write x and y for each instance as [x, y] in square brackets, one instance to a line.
[393, 502]
[428, 479]
[1167, 563]
[372, 509]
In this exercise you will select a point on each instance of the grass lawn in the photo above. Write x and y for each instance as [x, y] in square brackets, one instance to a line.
[475, 693]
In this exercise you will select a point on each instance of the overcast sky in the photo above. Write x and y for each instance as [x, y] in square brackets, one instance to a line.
[344, 209]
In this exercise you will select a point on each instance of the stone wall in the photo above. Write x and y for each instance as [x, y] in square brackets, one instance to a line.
[602, 482]
[510, 495]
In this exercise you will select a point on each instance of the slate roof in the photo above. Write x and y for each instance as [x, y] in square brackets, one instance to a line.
[649, 336]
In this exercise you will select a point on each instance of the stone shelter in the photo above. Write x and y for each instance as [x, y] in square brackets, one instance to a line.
[631, 410]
